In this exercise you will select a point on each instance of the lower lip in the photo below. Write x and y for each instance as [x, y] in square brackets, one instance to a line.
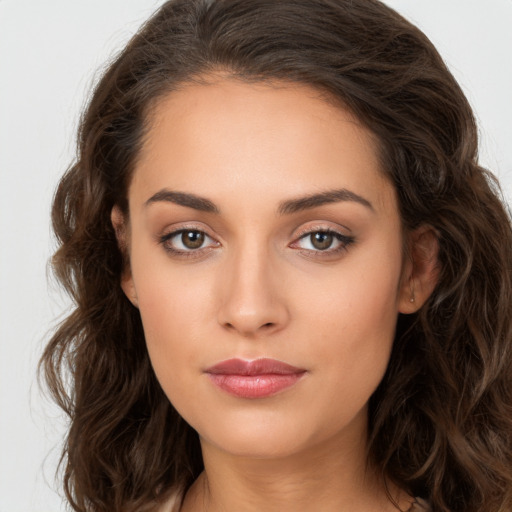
[255, 386]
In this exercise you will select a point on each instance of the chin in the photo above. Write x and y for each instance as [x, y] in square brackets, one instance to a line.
[259, 445]
[272, 435]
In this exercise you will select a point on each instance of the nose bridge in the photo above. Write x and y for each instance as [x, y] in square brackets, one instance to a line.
[252, 300]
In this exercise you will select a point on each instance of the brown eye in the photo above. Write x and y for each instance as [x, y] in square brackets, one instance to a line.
[192, 239]
[187, 241]
[321, 240]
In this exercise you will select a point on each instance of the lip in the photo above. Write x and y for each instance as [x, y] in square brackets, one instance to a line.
[258, 378]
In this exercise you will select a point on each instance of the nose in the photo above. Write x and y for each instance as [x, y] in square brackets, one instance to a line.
[252, 295]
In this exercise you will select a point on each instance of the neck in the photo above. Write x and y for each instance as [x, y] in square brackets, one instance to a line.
[333, 476]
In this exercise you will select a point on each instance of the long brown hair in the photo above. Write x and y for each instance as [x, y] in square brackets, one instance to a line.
[441, 420]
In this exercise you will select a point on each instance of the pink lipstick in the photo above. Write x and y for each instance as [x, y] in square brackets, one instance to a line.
[254, 379]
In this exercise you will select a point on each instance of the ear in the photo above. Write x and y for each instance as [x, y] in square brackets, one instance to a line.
[420, 271]
[120, 225]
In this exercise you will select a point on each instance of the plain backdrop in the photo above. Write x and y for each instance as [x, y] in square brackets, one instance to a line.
[50, 53]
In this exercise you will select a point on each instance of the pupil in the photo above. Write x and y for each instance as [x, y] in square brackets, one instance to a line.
[192, 239]
[321, 241]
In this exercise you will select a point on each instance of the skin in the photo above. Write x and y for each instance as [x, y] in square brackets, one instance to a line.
[260, 287]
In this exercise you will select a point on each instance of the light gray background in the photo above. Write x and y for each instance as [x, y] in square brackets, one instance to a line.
[49, 53]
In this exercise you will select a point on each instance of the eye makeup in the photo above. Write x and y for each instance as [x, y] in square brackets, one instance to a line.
[322, 242]
[187, 242]
[317, 242]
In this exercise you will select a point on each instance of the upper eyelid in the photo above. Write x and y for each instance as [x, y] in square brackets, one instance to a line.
[165, 239]
[170, 230]
[339, 235]
[175, 232]
[169, 233]
[322, 228]
[302, 233]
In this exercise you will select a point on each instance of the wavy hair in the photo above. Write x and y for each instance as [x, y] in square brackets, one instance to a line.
[441, 420]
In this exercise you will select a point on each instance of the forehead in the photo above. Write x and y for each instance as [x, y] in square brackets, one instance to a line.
[271, 139]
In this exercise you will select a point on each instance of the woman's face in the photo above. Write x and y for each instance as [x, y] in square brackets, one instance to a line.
[261, 227]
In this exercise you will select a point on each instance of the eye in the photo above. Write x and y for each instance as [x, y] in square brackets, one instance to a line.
[186, 241]
[326, 241]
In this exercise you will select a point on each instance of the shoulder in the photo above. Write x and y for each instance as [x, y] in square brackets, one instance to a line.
[420, 505]
[172, 504]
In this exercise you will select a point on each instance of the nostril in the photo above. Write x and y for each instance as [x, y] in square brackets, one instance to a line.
[266, 326]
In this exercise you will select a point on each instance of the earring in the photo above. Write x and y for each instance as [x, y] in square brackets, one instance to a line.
[412, 299]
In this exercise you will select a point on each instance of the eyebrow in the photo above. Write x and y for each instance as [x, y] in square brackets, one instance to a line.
[285, 208]
[184, 199]
[315, 200]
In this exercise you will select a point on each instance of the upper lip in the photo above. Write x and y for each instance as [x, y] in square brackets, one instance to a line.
[262, 366]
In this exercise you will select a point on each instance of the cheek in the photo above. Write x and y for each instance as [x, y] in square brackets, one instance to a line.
[360, 295]
[353, 317]
[175, 306]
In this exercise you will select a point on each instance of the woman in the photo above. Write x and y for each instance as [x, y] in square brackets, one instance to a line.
[292, 279]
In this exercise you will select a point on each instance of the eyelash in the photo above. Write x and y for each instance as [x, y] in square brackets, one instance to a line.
[344, 240]
[190, 253]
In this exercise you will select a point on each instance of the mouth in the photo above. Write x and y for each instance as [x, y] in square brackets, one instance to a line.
[259, 378]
